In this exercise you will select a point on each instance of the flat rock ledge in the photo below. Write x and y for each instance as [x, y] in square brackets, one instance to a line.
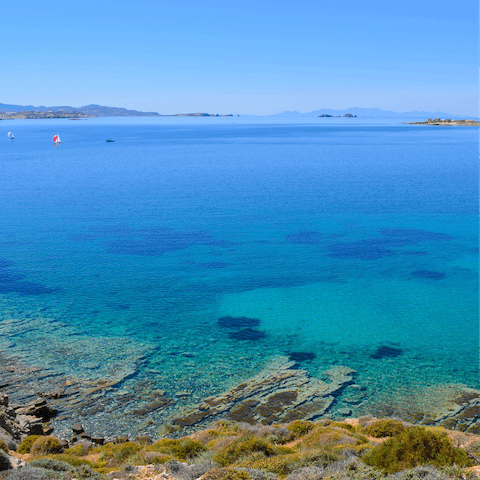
[280, 393]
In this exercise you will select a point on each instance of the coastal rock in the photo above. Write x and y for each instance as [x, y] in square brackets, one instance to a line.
[77, 429]
[454, 407]
[280, 393]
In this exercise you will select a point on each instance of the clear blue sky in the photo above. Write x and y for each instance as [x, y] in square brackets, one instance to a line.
[257, 56]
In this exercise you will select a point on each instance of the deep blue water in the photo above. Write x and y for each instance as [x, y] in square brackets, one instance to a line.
[349, 242]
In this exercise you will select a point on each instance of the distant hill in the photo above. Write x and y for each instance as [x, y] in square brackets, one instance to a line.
[367, 112]
[96, 110]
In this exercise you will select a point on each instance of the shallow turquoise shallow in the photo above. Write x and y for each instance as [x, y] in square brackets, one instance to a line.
[340, 236]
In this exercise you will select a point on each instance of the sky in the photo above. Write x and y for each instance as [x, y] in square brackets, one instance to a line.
[259, 57]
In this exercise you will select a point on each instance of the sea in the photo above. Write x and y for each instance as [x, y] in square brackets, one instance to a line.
[186, 255]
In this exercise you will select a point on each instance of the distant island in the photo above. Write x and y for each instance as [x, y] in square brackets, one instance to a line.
[347, 115]
[367, 112]
[448, 122]
[21, 111]
[12, 112]
[197, 115]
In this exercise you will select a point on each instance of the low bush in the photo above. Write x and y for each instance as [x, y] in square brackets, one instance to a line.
[183, 448]
[413, 447]
[226, 474]
[3, 446]
[28, 473]
[113, 455]
[27, 443]
[384, 428]
[70, 459]
[78, 450]
[51, 464]
[299, 428]
[328, 437]
[46, 445]
[243, 447]
[85, 472]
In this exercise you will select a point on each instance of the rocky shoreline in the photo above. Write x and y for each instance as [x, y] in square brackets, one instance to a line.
[264, 408]
[41, 401]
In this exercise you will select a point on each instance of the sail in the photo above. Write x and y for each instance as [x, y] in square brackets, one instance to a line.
[10, 135]
[55, 138]
[58, 138]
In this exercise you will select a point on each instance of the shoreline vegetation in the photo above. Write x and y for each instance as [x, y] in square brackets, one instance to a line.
[448, 122]
[277, 425]
[353, 448]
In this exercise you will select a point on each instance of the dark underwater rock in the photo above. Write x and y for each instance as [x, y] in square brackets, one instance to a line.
[301, 356]
[303, 238]
[238, 322]
[429, 274]
[386, 352]
[247, 334]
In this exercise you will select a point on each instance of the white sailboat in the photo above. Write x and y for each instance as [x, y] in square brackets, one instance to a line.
[56, 138]
[10, 135]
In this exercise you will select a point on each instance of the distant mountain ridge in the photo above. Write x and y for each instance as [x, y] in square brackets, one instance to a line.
[92, 109]
[368, 112]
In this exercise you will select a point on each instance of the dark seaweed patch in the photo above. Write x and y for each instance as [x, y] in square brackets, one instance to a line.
[413, 235]
[247, 334]
[301, 356]
[12, 282]
[376, 248]
[82, 237]
[158, 241]
[303, 238]
[386, 352]
[238, 322]
[428, 274]
[118, 306]
[368, 249]
[214, 265]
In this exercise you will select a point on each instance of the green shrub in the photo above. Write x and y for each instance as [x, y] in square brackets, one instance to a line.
[187, 448]
[384, 428]
[182, 448]
[27, 443]
[117, 454]
[345, 426]
[3, 446]
[46, 445]
[51, 464]
[85, 472]
[299, 428]
[321, 438]
[282, 465]
[243, 447]
[226, 474]
[413, 447]
[70, 459]
[78, 450]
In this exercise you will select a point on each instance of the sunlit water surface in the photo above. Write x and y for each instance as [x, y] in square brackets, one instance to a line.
[354, 241]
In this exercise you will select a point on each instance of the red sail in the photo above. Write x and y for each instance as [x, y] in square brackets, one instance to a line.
[55, 138]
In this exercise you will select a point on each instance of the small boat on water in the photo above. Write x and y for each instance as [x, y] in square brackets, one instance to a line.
[110, 140]
[56, 138]
[11, 135]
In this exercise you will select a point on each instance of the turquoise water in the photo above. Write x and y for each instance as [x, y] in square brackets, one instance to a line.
[340, 237]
